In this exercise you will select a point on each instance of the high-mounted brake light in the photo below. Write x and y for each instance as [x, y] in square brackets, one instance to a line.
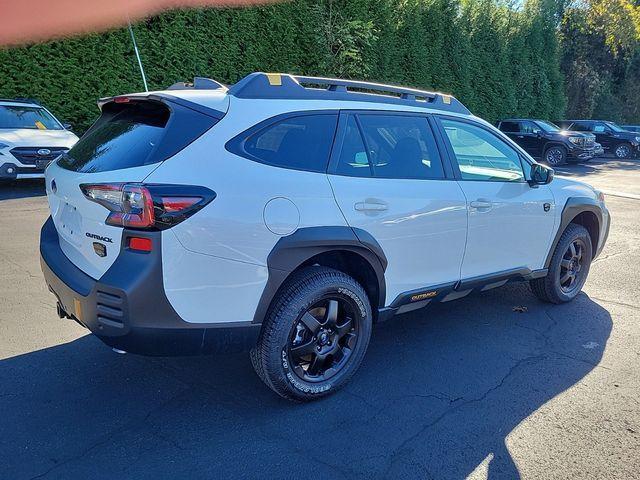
[121, 100]
[147, 206]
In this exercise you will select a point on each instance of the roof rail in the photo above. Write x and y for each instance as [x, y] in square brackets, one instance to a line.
[299, 87]
[20, 100]
[199, 83]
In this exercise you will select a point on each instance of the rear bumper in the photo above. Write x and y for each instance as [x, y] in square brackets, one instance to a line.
[127, 307]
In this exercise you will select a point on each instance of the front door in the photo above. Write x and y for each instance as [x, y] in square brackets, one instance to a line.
[510, 222]
[389, 180]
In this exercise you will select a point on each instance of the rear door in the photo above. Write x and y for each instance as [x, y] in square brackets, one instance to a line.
[389, 180]
[126, 144]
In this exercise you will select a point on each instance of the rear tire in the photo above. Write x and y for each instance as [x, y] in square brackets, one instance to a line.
[315, 335]
[568, 269]
[555, 155]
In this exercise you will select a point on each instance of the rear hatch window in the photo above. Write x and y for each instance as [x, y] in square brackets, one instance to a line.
[135, 133]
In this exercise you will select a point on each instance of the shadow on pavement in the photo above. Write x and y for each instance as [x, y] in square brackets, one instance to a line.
[438, 392]
[21, 189]
[599, 165]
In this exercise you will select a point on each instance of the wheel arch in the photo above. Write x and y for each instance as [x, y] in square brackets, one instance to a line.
[350, 250]
[583, 211]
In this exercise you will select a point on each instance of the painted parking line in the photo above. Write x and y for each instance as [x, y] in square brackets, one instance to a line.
[614, 193]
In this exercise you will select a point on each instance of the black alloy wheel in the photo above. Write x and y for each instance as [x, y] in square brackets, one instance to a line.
[315, 334]
[555, 156]
[323, 339]
[571, 266]
[623, 150]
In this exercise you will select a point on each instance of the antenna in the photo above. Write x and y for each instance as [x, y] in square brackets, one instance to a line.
[135, 48]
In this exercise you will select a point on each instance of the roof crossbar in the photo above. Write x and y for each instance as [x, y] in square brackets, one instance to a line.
[299, 87]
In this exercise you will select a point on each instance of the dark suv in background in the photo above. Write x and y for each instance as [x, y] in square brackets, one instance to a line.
[545, 140]
[613, 138]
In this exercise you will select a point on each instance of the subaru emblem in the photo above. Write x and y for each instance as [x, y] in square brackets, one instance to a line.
[43, 152]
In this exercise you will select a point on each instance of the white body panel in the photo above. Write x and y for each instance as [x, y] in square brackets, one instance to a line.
[514, 231]
[207, 289]
[422, 231]
[74, 216]
[233, 225]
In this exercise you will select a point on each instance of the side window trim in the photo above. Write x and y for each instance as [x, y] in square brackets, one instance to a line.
[452, 156]
[449, 173]
[237, 144]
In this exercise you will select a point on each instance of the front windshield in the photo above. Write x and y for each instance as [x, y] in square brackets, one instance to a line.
[548, 126]
[35, 118]
[615, 128]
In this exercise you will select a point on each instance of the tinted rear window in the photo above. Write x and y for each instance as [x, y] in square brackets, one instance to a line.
[124, 136]
[300, 143]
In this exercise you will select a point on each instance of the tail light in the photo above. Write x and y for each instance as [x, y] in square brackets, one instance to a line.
[147, 206]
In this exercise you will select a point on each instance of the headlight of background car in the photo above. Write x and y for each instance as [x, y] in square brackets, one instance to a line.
[638, 139]
[574, 140]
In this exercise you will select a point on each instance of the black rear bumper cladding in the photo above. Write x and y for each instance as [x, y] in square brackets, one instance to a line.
[127, 307]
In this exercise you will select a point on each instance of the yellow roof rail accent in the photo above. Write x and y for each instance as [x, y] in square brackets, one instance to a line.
[275, 79]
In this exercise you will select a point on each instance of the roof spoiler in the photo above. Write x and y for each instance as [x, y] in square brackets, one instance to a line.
[299, 87]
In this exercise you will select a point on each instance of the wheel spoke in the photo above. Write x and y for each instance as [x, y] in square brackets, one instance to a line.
[565, 263]
[304, 349]
[572, 247]
[579, 253]
[316, 365]
[342, 330]
[565, 277]
[310, 322]
[331, 316]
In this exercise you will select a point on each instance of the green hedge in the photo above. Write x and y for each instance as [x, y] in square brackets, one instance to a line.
[496, 60]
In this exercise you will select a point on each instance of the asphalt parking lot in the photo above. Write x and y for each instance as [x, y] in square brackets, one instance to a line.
[470, 388]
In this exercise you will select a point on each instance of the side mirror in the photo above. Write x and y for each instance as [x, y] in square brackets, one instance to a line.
[540, 174]
[67, 126]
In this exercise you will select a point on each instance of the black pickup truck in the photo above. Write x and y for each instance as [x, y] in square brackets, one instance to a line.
[546, 141]
[614, 139]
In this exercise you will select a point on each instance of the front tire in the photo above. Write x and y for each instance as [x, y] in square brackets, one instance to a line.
[555, 156]
[568, 269]
[315, 335]
[623, 151]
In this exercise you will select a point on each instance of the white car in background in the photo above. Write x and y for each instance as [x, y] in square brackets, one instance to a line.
[30, 138]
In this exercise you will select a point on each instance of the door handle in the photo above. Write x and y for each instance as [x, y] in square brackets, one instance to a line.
[520, 136]
[371, 207]
[481, 204]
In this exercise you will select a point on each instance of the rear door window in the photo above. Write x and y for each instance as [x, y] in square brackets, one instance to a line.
[397, 146]
[298, 142]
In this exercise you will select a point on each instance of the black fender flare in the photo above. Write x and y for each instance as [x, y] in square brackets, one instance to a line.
[305, 243]
[574, 207]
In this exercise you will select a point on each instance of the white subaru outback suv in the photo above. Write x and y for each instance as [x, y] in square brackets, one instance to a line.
[288, 214]
[30, 138]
